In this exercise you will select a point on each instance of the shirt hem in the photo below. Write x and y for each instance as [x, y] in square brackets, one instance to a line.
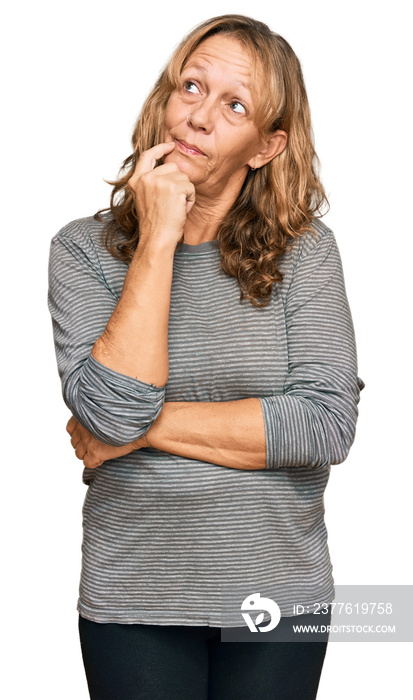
[168, 619]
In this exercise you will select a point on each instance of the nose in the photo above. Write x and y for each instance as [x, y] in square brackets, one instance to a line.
[203, 116]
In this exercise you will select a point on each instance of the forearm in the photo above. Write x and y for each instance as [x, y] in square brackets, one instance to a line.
[135, 341]
[229, 433]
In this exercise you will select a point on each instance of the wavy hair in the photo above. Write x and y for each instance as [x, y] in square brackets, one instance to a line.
[277, 201]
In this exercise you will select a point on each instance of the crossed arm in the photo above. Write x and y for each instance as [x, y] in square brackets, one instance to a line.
[122, 408]
[230, 434]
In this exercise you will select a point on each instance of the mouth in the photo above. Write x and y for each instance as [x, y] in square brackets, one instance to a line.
[189, 148]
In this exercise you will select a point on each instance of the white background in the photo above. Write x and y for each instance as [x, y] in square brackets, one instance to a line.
[75, 77]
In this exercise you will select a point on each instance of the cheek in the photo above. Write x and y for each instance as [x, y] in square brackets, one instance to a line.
[235, 148]
[174, 113]
[166, 120]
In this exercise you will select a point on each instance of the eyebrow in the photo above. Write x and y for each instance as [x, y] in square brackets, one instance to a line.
[205, 70]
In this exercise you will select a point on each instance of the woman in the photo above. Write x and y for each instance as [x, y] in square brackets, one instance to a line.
[206, 352]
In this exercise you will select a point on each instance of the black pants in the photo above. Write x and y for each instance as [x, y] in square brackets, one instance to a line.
[155, 662]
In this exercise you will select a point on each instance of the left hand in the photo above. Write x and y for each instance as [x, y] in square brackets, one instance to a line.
[91, 451]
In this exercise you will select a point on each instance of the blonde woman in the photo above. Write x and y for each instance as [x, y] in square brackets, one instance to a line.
[206, 351]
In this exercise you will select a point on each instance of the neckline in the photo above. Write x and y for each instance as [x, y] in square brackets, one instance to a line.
[204, 247]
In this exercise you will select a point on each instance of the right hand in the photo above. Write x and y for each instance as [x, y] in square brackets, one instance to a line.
[91, 451]
[164, 195]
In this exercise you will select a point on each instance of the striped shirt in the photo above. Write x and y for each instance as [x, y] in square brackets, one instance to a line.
[165, 535]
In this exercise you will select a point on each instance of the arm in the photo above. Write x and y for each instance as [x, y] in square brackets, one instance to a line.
[115, 408]
[313, 422]
[135, 340]
[229, 434]
[112, 354]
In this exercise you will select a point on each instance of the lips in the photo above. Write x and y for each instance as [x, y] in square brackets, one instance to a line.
[189, 148]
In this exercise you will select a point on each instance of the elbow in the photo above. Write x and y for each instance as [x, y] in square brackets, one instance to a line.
[334, 438]
[112, 428]
[339, 423]
[341, 442]
[115, 409]
[304, 433]
[315, 430]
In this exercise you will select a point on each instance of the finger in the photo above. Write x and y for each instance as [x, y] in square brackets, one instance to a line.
[190, 195]
[80, 451]
[71, 425]
[190, 198]
[161, 170]
[181, 179]
[75, 439]
[91, 463]
[148, 159]
[76, 436]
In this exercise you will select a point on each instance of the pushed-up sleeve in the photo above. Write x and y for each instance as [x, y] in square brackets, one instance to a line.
[115, 408]
[312, 423]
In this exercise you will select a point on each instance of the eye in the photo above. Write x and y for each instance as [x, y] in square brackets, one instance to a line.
[237, 107]
[189, 86]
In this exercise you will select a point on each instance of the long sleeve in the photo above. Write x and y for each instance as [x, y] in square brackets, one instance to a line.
[115, 408]
[313, 422]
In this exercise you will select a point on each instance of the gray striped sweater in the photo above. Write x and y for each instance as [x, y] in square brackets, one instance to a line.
[164, 535]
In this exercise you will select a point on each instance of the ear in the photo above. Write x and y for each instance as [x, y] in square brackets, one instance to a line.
[274, 145]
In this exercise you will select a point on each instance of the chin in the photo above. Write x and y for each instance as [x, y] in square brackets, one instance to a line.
[184, 165]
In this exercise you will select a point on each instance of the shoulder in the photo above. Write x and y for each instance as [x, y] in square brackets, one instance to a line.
[311, 255]
[84, 239]
[79, 249]
[82, 232]
[316, 242]
[317, 238]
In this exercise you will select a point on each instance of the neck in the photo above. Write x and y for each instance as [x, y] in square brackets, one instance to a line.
[208, 212]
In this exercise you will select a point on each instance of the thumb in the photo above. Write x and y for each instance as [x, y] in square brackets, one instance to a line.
[190, 198]
[189, 205]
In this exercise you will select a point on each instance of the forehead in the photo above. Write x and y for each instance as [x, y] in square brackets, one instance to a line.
[224, 54]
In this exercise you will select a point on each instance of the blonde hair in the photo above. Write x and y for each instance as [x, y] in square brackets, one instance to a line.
[277, 201]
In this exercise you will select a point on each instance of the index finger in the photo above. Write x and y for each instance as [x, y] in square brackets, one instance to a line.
[148, 159]
[71, 425]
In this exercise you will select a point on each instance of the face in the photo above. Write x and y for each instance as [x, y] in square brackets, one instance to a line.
[219, 142]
